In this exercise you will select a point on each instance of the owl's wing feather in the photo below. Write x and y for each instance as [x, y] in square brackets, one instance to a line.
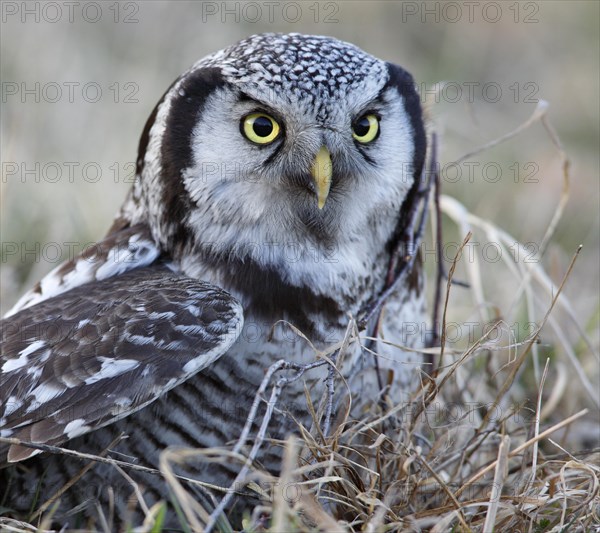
[120, 251]
[101, 351]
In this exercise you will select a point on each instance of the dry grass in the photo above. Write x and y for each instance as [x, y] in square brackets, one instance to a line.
[489, 441]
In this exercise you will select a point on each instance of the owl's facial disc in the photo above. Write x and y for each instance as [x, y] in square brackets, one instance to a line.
[283, 139]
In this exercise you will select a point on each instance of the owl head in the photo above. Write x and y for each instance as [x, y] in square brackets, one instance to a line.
[280, 139]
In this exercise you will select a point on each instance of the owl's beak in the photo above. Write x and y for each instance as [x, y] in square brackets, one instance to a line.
[321, 171]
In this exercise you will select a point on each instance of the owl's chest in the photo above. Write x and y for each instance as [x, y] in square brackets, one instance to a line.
[284, 302]
[264, 340]
[230, 385]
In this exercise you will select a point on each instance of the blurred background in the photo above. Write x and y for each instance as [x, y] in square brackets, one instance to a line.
[78, 82]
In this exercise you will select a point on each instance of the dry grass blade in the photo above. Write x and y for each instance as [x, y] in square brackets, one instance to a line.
[281, 509]
[194, 512]
[538, 414]
[522, 447]
[456, 211]
[517, 364]
[498, 483]
[442, 484]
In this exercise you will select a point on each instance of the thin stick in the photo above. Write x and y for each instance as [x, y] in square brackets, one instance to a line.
[564, 197]
[261, 435]
[98, 459]
[435, 338]
[330, 394]
[79, 455]
[538, 113]
[256, 403]
[448, 286]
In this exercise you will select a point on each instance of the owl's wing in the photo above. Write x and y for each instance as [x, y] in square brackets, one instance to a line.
[101, 351]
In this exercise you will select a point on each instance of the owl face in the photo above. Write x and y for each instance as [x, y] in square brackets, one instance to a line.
[282, 139]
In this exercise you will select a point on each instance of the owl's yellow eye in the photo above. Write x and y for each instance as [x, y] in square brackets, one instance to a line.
[366, 128]
[260, 128]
